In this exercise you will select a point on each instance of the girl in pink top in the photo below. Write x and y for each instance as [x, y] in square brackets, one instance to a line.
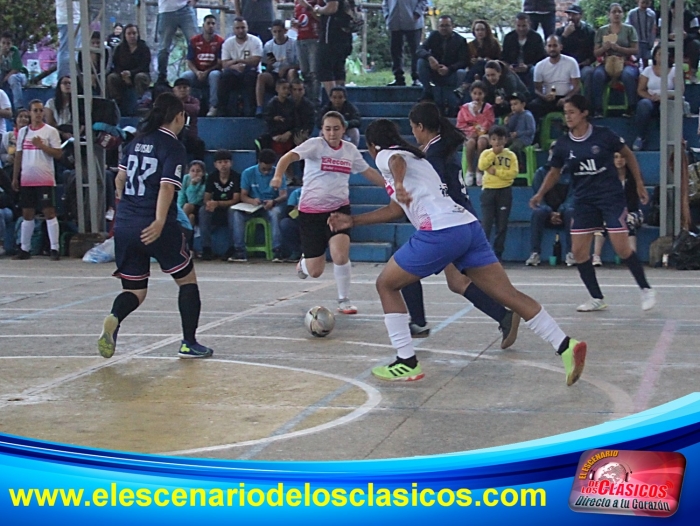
[474, 119]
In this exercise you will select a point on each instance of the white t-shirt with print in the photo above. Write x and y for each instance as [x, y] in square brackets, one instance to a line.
[37, 166]
[232, 50]
[327, 174]
[5, 104]
[557, 75]
[431, 207]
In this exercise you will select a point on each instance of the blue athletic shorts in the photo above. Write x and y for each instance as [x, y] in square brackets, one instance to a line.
[592, 216]
[429, 252]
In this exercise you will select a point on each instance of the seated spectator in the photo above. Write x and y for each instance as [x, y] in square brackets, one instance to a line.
[5, 111]
[191, 196]
[521, 127]
[240, 58]
[556, 211]
[501, 83]
[306, 24]
[475, 119]
[57, 110]
[8, 206]
[281, 62]
[115, 38]
[96, 64]
[556, 79]
[131, 66]
[615, 45]
[483, 48]
[290, 230]
[256, 191]
[279, 116]
[222, 191]
[12, 72]
[649, 91]
[442, 54]
[204, 62]
[691, 45]
[8, 145]
[304, 112]
[190, 133]
[339, 102]
[643, 20]
[578, 41]
[522, 49]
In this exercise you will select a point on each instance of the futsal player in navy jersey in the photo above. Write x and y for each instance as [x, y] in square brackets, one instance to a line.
[599, 199]
[146, 225]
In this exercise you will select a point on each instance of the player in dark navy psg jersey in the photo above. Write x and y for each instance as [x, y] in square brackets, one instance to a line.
[146, 225]
[599, 200]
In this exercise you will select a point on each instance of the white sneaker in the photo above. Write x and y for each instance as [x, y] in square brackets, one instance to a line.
[597, 262]
[570, 259]
[533, 260]
[592, 305]
[469, 179]
[345, 307]
[479, 177]
[648, 299]
[212, 112]
[300, 272]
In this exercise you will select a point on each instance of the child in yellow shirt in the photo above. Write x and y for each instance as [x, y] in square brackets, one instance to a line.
[500, 167]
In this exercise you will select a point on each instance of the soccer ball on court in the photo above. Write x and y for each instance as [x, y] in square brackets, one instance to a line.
[319, 321]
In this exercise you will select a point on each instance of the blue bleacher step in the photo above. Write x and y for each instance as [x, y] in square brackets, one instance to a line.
[370, 252]
[377, 110]
[368, 195]
[384, 93]
[402, 122]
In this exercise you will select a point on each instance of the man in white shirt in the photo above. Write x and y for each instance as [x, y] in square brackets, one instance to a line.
[557, 78]
[171, 15]
[5, 111]
[240, 59]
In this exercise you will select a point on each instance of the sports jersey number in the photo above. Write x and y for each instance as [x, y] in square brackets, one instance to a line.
[135, 183]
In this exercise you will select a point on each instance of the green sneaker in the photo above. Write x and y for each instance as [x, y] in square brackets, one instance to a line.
[574, 358]
[108, 339]
[398, 372]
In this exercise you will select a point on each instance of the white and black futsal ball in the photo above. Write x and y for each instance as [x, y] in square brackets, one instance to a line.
[319, 321]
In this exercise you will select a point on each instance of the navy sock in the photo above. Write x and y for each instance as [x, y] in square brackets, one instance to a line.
[124, 304]
[485, 303]
[637, 270]
[189, 304]
[564, 345]
[413, 296]
[587, 273]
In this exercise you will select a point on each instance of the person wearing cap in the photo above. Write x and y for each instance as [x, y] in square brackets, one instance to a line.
[204, 61]
[520, 125]
[578, 41]
[190, 133]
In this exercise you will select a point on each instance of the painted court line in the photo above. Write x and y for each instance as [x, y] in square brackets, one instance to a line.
[647, 386]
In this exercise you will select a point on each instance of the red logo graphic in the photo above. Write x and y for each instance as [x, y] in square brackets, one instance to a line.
[328, 164]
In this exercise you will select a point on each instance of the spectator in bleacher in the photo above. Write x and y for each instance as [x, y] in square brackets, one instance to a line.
[57, 109]
[483, 48]
[289, 228]
[500, 84]
[615, 45]
[649, 91]
[578, 41]
[204, 61]
[191, 196]
[555, 210]
[339, 102]
[522, 49]
[691, 37]
[442, 54]
[474, 120]
[404, 21]
[334, 43]
[521, 127]
[281, 62]
[13, 74]
[240, 59]
[8, 145]
[8, 205]
[5, 111]
[63, 58]
[173, 14]
[541, 12]
[500, 168]
[222, 191]
[131, 66]
[95, 60]
[256, 191]
[556, 79]
[258, 14]
[643, 20]
[306, 23]
[115, 38]
[279, 116]
[190, 132]
[304, 112]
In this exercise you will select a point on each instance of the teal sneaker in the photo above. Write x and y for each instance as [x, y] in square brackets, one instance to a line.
[398, 372]
[194, 350]
[107, 343]
[574, 358]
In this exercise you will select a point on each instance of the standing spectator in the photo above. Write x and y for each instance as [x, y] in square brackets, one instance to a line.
[306, 23]
[5, 111]
[522, 49]
[173, 14]
[191, 196]
[541, 12]
[578, 41]
[439, 58]
[281, 62]
[131, 65]
[63, 58]
[115, 38]
[57, 110]
[38, 145]
[289, 227]
[483, 48]
[204, 61]
[259, 15]
[256, 190]
[404, 19]
[335, 43]
[339, 102]
[279, 116]
[643, 20]
[521, 126]
[13, 74]
[240, 58]
[303, 113]
[194, 146]
[557, 78]
[691, 45]
[474, 120]
[500, 84]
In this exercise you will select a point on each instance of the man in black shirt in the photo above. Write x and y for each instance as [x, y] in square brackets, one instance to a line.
[578, 39]
[522, 49]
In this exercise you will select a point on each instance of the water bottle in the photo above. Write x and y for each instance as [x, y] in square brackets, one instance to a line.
[556, 249]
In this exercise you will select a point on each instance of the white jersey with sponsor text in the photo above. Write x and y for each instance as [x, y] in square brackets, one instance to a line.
[326, 174]
[431, 207]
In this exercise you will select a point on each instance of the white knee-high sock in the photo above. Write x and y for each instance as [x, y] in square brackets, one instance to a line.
[544, 326]
[52, 227]
[26, 231]
[343, 274]
[399, 334]
[303, 266]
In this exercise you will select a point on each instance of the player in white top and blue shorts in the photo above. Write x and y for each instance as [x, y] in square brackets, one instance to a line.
[446, 233]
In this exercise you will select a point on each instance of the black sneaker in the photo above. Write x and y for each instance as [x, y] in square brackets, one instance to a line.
[228, 255]
[397, 82]
[194, 350]
[206, 254]
[22, 254]
[293, 258]
[54, 255]
[417, 83]
[509, 327]
[277, 256]
[419, 331]
[238, 257]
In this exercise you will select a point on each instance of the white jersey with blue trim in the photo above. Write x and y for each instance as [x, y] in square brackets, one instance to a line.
[431, 207]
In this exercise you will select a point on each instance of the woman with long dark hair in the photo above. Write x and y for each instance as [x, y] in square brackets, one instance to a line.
[483, 48]
[500, 84]
[131, 65]
[446, 234]
[146, 225]
[57, 110]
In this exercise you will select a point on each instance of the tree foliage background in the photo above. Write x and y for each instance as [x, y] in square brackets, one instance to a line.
[595, 12]
[499, 14]
[29, 20]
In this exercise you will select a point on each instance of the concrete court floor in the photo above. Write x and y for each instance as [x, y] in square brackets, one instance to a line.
[272, 391]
